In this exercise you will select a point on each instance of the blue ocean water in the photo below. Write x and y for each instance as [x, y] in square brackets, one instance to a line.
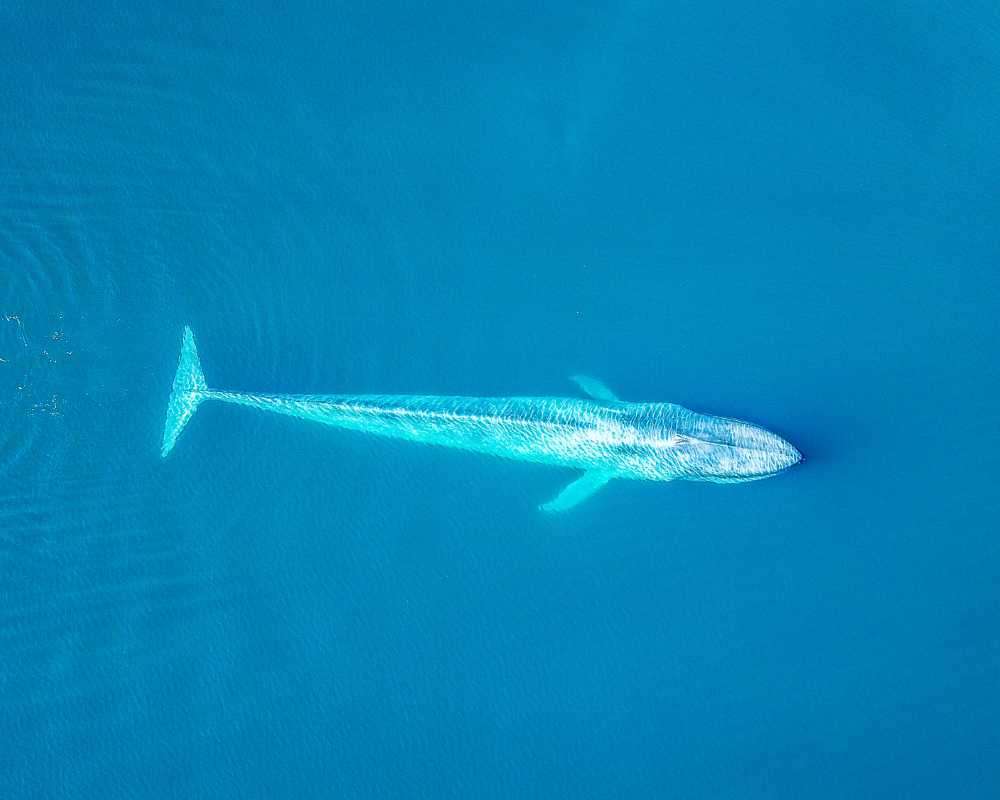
[784, 213]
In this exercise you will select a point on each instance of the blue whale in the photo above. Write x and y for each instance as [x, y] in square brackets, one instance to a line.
[602, 436]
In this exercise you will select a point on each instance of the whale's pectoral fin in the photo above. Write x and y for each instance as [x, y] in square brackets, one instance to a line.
[578, 491]
[594, 388]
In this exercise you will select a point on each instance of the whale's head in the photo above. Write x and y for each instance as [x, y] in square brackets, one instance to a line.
[726, 450]
[763, 453]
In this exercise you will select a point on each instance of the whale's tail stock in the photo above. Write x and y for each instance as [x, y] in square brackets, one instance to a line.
[187, 393]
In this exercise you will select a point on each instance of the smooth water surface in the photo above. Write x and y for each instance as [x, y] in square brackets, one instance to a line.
[781, 213]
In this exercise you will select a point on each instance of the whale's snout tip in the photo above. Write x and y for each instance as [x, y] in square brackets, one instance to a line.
[773, 454]
[788, 455]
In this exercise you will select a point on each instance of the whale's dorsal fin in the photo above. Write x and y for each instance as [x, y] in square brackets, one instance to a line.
[594, 388]
[579, 490]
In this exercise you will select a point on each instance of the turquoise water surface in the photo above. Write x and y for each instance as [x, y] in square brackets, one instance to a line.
[785, 214]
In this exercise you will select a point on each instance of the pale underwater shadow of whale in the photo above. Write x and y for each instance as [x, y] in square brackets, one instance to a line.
[601, 435]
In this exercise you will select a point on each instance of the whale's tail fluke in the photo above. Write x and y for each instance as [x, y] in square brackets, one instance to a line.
[187, 393]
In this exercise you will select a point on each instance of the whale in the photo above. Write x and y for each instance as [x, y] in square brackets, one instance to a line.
[601, 436]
